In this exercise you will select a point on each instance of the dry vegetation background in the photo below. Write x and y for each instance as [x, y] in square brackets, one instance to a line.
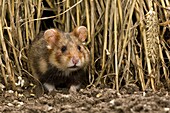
[129, 40]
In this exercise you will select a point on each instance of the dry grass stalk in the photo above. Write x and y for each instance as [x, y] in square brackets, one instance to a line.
[116, 49]
[10, 73]
[152, 47]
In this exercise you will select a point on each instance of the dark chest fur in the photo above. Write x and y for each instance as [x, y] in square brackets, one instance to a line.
[61, 79]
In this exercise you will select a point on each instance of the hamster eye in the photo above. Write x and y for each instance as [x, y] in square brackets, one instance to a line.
[63, 48]
[78, 47]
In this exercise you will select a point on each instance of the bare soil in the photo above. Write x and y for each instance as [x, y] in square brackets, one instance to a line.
[93, 100]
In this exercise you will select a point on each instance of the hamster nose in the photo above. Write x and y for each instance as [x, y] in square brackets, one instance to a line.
[75, 60]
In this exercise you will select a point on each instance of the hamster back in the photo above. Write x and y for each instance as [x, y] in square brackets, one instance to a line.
[58, 58]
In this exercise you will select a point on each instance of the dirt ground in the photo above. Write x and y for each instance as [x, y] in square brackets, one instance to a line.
[93, 100]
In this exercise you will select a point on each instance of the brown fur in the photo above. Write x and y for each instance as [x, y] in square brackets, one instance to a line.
[59, 58]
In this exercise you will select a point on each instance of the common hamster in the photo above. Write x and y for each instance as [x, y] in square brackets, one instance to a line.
[58, 58]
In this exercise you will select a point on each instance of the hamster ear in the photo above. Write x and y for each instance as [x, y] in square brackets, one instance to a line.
[80, 32]
[51, 36]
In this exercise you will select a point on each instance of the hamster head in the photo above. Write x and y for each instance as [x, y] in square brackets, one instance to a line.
[67, 53]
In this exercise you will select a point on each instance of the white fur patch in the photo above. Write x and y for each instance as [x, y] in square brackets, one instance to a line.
[49, 87]
[74, 88]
